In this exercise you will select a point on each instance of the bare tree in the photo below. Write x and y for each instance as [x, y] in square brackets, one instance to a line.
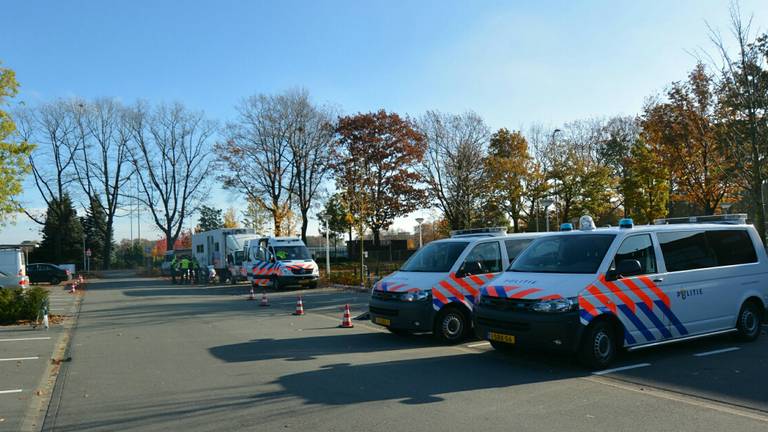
[170, 153]
[103, 163]
[453, 164]
[277, 154]
[310, 145]
[51, 128]
[743, 105]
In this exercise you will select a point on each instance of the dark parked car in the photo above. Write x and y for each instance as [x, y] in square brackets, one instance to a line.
[44, 272]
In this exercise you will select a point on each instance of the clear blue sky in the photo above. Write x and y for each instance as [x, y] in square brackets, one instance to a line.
[515, 63]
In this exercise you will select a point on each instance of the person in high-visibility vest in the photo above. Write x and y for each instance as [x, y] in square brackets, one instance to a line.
[184, 269]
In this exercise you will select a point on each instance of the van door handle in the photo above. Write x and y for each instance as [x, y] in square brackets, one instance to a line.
[661, 279]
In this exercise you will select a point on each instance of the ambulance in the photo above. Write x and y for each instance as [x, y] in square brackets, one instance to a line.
[435, 290]
[279, 262]
[598, 291]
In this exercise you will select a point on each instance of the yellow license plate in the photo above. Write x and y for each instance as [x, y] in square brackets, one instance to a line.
[382, 321]
[500, 337]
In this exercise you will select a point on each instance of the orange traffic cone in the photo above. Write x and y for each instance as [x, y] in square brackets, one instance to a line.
[72, 288]
[299, 307]
[251, 296]
[264, 300]
[346, 321]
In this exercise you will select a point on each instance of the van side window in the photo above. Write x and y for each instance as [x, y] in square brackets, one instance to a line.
[686, 250]
[484, 258]
[638, 248]
[732, 247]
[515, 246]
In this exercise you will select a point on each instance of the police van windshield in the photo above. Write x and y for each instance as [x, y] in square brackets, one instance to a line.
[435, 257]
[564, 254]
[289, 253]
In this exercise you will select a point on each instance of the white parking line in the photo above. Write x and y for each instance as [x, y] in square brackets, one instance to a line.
[19, 359]
[10, 391]
[25, 339]
[479, 344]
[724, 350]
[618, 369]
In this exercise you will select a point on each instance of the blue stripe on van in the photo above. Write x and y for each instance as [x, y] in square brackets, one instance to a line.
[672, 317]
[585, 315]
[637, 323]
[655, 320]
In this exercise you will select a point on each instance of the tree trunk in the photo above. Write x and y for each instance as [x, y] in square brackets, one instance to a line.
[169, 242]
[304, 224]
[376, 238]
[516, 222]
[106, 254]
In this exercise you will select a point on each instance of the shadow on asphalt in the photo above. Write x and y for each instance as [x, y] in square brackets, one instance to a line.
[311, 347]
[420, 381]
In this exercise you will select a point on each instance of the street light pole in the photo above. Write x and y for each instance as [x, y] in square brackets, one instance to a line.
[327, 249]
[420, 221]
[546, 203]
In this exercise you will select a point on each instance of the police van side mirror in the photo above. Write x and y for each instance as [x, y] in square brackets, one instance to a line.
[468, 269]
[625, 268]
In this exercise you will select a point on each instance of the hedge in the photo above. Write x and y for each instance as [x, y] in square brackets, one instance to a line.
[18, 304]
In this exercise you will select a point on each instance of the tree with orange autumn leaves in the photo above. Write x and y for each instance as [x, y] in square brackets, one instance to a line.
[375, 161]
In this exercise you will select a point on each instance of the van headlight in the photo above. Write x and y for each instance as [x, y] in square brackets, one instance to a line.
[557, 305]
[415, 296]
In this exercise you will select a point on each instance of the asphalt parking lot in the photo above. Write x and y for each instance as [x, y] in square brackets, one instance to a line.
[147, 355]
[25, 364]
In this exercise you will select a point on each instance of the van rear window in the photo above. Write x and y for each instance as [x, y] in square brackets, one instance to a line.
[689, 250]
[732, 247]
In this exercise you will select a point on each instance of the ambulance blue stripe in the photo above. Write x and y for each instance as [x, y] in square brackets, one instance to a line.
[655, 320]
[637, 323]
[671, 317]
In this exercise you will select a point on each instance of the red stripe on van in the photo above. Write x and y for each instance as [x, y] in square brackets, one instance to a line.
[602, 298]
[618, 292]
[652, 286]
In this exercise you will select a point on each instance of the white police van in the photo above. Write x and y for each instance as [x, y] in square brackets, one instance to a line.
[595, 291]
[280, 262]
[435, 290]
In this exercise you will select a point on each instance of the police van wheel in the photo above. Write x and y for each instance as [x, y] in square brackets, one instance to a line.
[598, 349]
[451, 326]
[749, 322]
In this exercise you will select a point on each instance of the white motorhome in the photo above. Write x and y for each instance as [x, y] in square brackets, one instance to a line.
[12, 261]
[14, 266]
[596, 291]
[280, 261]
[223, 249]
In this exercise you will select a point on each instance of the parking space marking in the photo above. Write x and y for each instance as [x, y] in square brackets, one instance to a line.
[25, 339]
[619, 369]
[724, 350]
[10, 391]
[20, 359]
[475, 345]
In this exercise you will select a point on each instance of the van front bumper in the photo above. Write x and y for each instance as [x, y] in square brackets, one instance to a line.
[553, 331]
[416, 316]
